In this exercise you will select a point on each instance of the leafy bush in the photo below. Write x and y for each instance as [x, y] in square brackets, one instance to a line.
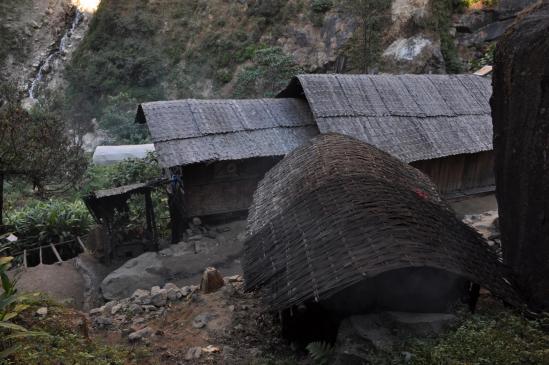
[127, 172]
[321, 6]
[11, 306]
[118, 117]
[270, 73]
[50, 221]
[487, 58]
[499, 338]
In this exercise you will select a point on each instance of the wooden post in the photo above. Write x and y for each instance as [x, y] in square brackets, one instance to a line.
[1, 202]
[59, 260]
[84, 248]
[151, 221]
[40, 253]
[25, 258]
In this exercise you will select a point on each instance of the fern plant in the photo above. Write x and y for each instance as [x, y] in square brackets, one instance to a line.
[320, 352]
[10, 307]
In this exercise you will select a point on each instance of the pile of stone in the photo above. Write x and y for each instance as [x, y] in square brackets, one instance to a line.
[131, 315]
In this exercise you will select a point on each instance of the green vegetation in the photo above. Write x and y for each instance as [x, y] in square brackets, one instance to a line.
[365, 47]
[486, 3]
[440, 23]
[50, 221]
[129, 171]
[11, 305]
[321, 6]
[50, 341]
[37, 149]
[118, 56]
[487, 58]
[271, 71]
[497, 338]
[138, 51]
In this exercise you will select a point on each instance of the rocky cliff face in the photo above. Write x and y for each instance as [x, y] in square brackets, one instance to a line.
[38, 37]
[143, 50]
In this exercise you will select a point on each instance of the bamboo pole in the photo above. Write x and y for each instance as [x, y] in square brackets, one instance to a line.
[59, 260]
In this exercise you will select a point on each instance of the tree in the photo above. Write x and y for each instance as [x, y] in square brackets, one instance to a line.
[38, 147]
[520, 111]
[371, 16]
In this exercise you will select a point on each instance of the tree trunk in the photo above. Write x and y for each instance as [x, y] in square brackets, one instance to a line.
[520, 110]
[1, 202]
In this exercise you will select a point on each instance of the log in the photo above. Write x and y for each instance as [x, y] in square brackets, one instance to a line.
[520, 111]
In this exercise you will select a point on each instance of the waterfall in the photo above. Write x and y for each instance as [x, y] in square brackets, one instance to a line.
[56, 52]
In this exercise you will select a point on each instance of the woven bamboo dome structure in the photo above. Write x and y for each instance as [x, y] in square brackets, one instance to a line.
[337, 211]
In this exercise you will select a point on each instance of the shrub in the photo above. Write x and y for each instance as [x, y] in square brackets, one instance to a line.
[321, 6]
[117, 120]
[129, 171]
[502, 338]
[50, 221]
[270, 73]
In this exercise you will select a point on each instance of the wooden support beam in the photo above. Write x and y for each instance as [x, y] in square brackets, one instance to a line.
[25, 258]
[59, 260]
[40, 254]
[82, 245]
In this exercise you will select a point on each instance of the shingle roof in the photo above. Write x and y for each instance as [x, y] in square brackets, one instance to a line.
[191, 131]
[413, 117]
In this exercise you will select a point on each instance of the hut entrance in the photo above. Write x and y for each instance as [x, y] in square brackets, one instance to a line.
[127, 220]
[413, 290]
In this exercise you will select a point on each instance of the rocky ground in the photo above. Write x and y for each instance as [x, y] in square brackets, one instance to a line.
[204, 324]
[178, 314]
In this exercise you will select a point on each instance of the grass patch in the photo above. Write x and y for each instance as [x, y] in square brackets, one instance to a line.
[495, 338]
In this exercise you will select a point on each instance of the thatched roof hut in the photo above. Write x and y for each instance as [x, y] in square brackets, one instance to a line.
[440, 123]
[186, 132]
[349, 213]
[222, 148]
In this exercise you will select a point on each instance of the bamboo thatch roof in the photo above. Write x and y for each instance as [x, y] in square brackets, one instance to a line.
[191, 131]
[351, 212]
[413, 117]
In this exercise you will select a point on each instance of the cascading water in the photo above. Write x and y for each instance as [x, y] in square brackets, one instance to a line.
[57, 52]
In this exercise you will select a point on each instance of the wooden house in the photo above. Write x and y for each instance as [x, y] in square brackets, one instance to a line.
[440, 124]
[216, 151]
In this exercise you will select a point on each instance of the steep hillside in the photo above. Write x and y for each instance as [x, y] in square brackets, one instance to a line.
[144, 49]
[140, 50]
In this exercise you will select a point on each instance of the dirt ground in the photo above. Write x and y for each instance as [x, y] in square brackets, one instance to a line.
[239, 330]
[62, 282]
[475, 205]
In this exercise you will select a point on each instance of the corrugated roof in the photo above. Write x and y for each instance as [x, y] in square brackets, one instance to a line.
[191, 131]
[413, 117]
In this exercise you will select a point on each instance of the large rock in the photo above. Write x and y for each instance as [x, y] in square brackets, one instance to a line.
[361, 337]
[520, 110]
[178, 261]
[418, 54]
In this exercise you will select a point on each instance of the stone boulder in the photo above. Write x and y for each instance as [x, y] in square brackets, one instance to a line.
[361, 337]
[178, 261]
[418, 54]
